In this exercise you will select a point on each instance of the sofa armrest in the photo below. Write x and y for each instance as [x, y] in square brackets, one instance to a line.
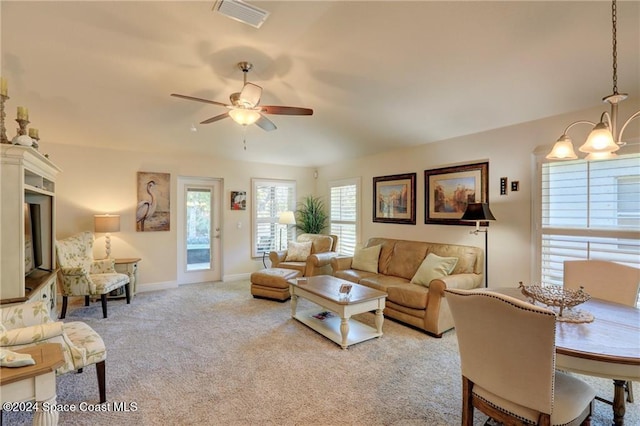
[276, 257]
[31, 334]
[459, 281]
[341, 263]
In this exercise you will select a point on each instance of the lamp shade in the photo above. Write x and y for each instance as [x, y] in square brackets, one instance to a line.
[477, 212]
[599, 140]
[106, 223]
[243, 116]
[563, 150]
[287, 218]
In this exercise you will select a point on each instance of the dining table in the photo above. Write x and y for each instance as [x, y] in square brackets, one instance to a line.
[607, 347]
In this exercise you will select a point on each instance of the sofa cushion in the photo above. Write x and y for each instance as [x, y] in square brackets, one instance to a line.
[320, 243]
[298, 252]
[410, 295]
[385, 252]
[366, 259]
[384, 282]
[432, 267]
[406, 258]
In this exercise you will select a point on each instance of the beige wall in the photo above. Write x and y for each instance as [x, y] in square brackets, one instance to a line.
[97, 181]
[103, 181]
[509, 152]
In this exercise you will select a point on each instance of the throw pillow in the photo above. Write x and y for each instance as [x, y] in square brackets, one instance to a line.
[432, 267]
[366, 259]
[298, 252]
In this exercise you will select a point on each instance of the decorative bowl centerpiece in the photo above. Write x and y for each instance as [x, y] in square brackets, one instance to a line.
[558, 298]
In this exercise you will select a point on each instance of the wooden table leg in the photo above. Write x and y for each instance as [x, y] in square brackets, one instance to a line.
[379, 320]
[618, 402]
[344, 331]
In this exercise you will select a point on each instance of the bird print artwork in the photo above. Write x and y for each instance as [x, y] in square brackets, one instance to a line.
[152, 211]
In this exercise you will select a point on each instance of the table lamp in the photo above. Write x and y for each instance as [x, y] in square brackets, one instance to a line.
[286, 218]
[480, 212]
[107, 223]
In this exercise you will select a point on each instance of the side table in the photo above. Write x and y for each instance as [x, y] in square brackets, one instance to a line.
[34, 382]
[129, 266]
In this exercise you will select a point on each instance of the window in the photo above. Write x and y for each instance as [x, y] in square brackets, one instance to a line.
[270, 198]
[344, 213]
[589, 210]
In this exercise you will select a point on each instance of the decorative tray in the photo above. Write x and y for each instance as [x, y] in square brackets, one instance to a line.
[558, 298]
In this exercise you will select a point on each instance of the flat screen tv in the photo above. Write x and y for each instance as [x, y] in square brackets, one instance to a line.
[32, 238]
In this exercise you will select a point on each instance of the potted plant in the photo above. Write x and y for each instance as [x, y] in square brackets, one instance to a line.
[311, 217]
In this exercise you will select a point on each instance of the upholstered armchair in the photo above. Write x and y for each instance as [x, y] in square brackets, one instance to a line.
[29, 324]
[310, 254]
[81, 275]
[507, 359]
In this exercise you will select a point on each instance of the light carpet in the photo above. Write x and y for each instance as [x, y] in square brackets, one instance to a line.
[210, 354]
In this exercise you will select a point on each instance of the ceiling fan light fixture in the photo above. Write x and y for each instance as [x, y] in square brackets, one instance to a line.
[244, 117]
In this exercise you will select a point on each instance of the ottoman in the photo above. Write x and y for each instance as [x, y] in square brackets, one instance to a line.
[271, 283]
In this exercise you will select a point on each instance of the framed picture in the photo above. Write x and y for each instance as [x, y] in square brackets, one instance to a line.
[394, 199]
[448, 190]
[154, 205]
[238, 200]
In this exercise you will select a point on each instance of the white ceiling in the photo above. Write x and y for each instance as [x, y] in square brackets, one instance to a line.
[378, 74]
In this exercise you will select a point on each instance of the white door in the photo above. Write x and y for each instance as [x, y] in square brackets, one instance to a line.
[199, 255]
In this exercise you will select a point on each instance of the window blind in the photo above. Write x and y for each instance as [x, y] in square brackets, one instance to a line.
[270, 198]
[343, 216]
[589, 210]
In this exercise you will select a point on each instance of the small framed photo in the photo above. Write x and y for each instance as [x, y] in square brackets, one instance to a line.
[345, 289]
[238, 200]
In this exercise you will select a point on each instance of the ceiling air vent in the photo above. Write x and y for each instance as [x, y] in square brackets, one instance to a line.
[242, 11]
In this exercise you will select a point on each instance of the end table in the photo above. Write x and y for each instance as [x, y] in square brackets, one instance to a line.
[129, 266]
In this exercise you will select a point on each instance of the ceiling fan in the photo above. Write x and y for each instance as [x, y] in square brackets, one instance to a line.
[244, 108]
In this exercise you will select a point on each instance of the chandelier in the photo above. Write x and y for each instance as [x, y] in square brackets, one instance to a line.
[604, 139]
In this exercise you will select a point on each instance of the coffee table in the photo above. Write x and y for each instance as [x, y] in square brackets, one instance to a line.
[337, 324]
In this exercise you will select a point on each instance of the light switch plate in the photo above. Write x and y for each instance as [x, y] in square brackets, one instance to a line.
[503, 186]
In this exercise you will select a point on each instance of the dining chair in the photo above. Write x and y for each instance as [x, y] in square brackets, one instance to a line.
[605, 280]
[507, 360]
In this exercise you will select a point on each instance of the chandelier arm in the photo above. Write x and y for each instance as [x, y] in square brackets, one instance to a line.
[577, 122]
[626, 123]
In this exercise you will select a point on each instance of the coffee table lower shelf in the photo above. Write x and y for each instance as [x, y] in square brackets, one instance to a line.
[329, 327]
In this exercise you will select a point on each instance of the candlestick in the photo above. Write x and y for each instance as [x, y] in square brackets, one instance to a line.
[3, 86]
[3, 129]
[33, 134]
[23, 113]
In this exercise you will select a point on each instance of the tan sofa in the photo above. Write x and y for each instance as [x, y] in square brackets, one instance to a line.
[317, 263]
[417, 305]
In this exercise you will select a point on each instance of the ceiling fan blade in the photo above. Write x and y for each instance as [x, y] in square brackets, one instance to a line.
[265, 124]
[191, 98]
[250, 95]
[216, 118]
[285, 110]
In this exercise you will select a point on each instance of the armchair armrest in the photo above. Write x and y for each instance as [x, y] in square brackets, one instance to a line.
[103, 266]
[31, 334]
[321, 259]
[340, 263]
[74, 271]
[276, 257]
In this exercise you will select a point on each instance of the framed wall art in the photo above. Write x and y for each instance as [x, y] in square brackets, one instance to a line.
[153, 210]
[238, 200]
[448, 190]
[394, 199]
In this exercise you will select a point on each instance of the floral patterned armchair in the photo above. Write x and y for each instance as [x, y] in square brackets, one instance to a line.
[83, 276]
[29, 324]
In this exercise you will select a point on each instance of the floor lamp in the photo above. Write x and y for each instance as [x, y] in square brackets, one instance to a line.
[479, 212]
[286, 218]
